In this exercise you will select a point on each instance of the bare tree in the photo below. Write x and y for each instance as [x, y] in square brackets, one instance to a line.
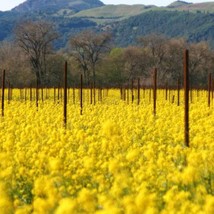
[18, 72]
[156, 46]
[201, 62]
[172, 69]
[134, 62]
[35, 38]
[87, 48]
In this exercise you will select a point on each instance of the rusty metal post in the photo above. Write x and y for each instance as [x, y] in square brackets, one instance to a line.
[91, 94]
[31, 93]
[81, 97]
[178, 91]
[186, 97]
[155, 91]
[25, 90]
[11, 92]
[166, 93]
[132, 90]
[191, 93]
[94, 86]
[74, 97]
[58, 94]
[173, 99]
[46, 93]
[37, 93]
[101, 94]
[42, 93]
[209, 88]
[54, 94]
[3, 88]
[65, 94]
[138, 91]
[212, 89]
[127, 95]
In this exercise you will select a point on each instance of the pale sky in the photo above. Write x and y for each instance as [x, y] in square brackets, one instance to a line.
[9, 4]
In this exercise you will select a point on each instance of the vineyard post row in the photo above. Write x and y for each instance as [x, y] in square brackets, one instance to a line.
[187, 93]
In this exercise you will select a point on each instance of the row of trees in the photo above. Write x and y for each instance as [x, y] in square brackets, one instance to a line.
[31, 58]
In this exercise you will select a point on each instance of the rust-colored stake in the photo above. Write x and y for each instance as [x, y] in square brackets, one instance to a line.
[186, 97]
[3, 88]
[37, 94]
[178, 90]
[101, 94]
[94, 86]
[212, 88]
[138, 91]
[132, 89]
[54, 94]
[65, 94]
[46, 93]
[124, 94]
[74, 95]
[155, 91]
[42, 94]
[58, 94]
[81, 97]
[25, 94]
[191, 95]
[91, 94]
[127, 95]
[209, 88]
[121, 93]
[30, 93]
[173, 98]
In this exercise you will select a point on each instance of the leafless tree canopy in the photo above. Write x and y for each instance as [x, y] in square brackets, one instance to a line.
[87, 48]
[12, 59]
[35, 38]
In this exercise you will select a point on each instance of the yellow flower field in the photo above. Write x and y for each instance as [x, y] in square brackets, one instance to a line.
[115, 158]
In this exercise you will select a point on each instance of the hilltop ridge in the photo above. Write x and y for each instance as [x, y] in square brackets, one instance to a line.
[126, 23]
[55, 5]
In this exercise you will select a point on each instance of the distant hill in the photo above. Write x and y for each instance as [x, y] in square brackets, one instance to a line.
[195, 22]
[194, 27]
[111, 13]
[178, 4]
[114, 13]
[198, 7]
[52, 6]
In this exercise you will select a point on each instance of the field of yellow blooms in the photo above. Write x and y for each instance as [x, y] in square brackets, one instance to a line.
[115, 158]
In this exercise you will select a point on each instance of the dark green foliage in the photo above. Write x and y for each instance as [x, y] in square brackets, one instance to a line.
[194, 27]
[65, 26]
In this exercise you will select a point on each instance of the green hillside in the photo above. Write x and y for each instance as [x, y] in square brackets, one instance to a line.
[194, 27]
[111, 13]
[114, 13]
[177, 4]
[195, 22]
[200, 7]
